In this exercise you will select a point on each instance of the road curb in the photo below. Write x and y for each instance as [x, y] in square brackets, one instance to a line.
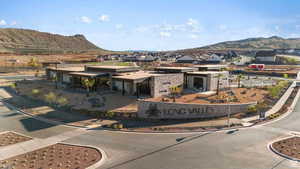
[270, 147]
[102, 152]
[39, 118]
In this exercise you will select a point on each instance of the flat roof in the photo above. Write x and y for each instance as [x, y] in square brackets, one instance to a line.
[206, 72]
[115, 68]
[137, 75]
[175, 69]
[210, 66]
[87, 74]
[67, 69]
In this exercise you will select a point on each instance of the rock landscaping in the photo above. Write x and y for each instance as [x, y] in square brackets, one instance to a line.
[10, 138]
[57, 156]
[289, 147]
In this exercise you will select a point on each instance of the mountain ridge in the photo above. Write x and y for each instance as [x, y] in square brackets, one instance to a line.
[22, 40]
[258, 43]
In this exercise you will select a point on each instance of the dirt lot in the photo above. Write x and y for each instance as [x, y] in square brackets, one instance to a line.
[235, 95]
[56, 156]
[9, 138]
[289, 147]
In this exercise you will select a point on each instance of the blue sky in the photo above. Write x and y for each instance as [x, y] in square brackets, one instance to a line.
[155, 24]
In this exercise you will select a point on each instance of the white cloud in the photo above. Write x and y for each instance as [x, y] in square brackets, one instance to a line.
[192, 21]
[104, 18]
[165, 34]
[193, 25]
[13, 23]
[194, 36]
[2, 22]
[119, 26]
[85, 19]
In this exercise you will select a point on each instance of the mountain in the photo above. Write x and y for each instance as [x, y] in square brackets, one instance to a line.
[31, 41]
[273, 42]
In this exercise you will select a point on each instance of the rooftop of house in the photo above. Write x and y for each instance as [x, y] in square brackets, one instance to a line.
[87, 74]
[175, 69]
[211, 66]
[138, 75]
[114, 68]
[67, 69]
[206, 72]
[266, 53]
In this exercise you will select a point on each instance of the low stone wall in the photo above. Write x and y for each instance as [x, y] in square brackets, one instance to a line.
[167, 110]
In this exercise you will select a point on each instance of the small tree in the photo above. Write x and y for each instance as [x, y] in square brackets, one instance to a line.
[285, 75]
[88, 84]
[34, 63]
[219, 76]
[239, 78]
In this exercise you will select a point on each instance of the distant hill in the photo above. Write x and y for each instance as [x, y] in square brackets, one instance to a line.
[25, 41]
[273, 42]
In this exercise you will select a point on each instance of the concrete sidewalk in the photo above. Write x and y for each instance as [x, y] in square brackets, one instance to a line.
[34, 144]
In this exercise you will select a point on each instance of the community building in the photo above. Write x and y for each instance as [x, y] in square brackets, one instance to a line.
[207, 80]
[130, 80]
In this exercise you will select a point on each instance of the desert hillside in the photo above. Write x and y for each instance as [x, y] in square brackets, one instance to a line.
[273, 42]
[31, 41]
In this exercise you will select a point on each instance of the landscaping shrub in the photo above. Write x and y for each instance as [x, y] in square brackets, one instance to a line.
[110, 114]
[252, 109]
[62, 101]
[275, 91]
[35, 91]
[50, 98]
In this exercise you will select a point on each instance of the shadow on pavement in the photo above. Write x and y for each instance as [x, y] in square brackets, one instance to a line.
[31, 124]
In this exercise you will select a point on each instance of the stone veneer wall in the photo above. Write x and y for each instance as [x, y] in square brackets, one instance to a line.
[167, 110]
[161, 84]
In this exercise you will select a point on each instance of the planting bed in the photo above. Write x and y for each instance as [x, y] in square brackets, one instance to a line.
[57, 156]
[289, 147]
[10, 138]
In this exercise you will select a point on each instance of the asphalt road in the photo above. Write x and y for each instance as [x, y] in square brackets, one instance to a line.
[244, 149]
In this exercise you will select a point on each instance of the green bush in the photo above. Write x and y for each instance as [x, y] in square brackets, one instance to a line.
[35, 91]
[110, 114]
[62, 101]
[274, 91]
[13, 85]
[252, 109]
[50, 97]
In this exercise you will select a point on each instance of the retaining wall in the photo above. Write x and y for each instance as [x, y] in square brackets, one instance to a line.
[167, 110]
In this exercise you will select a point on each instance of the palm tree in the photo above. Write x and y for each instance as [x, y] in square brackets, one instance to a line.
[88, 84]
